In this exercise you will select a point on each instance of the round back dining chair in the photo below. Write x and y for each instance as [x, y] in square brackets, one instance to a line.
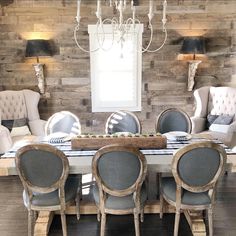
[43, 170]
[122, 121]
[63, 122]
[119, 172]
[196, 168]
[173, 119]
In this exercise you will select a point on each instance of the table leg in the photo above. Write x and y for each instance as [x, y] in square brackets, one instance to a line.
[195, 219]
[196, 222]
[43, 223]
[89, 208]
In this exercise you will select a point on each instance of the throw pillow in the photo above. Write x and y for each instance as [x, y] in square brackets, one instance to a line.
[219, 128]
[17, 127]
[8, 124]
[224, 119]
[20, 131]
[211, 119]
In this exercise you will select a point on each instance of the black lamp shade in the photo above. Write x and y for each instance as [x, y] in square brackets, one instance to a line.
[38, 47]
[193, 45]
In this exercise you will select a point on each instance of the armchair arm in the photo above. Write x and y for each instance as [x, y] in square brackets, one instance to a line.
[233, 141]
[198, 124]
[201, 96]
[6, 141]
[232, 127]
[232, 135]
[37, 127]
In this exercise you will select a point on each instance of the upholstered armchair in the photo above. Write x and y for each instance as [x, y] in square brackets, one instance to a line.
[17, 107]
[215, 113]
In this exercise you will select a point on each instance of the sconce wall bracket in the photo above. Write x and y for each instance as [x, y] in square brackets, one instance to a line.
[40, 76]
[191, 73]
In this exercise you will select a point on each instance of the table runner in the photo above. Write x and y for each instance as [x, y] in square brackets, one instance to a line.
[172, 146]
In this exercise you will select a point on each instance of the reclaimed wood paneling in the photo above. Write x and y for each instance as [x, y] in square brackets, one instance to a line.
[67, 73]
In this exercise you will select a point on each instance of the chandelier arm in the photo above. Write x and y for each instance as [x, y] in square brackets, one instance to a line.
[163, 43]
[134, 22]
[77, 43]
[151, 37]
[125, 27]
[100, 24]
[103, 32]
[131, 21]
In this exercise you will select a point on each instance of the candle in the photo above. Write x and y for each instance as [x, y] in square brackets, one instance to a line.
[150, 7]
[124, 3]
[78, 10]
[99, 10]
[121, 8]
[150, 14]
[116, 3]
[134, 17]
[164, 12]
[132, 3]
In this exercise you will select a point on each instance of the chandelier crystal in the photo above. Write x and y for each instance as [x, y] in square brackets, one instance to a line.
[121, 27]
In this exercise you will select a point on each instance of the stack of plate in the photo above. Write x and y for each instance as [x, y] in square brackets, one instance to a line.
[177, 136]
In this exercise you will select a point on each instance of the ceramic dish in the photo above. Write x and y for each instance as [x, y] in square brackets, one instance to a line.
[178, 136]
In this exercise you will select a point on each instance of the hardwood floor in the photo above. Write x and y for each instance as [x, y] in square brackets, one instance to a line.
[13, 215]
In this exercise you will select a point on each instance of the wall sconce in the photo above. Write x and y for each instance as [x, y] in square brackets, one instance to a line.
[39, 48]
[192, 46]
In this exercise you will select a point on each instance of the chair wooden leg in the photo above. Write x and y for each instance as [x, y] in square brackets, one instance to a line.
[177, 218]
[35, 216]
[158, 184]
[136, 224]
[160, 194]
[146, 182]
[161, 205]
[142, 215]
[63, 223]
[210, 221]
[30, 222]
[98, 216]
[80, 186]
[103, 224]
[77, 202]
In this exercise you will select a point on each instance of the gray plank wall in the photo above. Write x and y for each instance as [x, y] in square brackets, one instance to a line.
[68, 71]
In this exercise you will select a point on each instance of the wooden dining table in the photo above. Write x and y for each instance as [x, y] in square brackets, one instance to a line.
[158, 161]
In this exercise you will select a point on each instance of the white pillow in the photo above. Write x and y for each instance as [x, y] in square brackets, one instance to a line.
[19, 131]
[219, 128]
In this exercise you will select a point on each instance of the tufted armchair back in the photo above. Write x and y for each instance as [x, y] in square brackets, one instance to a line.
[215, 101]
[222, 100]
[22, 104]
[19, 104]
[12, 105]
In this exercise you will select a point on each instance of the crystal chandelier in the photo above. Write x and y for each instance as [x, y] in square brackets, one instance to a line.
[120, 26]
